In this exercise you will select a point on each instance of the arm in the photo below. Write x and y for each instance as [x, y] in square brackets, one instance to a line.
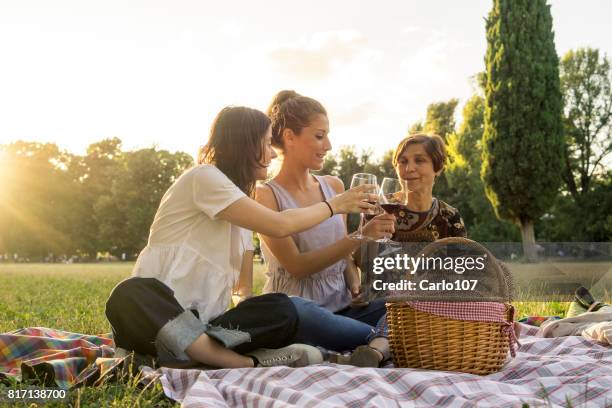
[352, 277]
[248, 213]
[244, 287]
[303, 264]
[298, 264]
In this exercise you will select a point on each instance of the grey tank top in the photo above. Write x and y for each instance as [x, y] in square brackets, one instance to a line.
[326, 287]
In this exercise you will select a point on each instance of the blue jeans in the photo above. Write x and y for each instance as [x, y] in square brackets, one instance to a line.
[370, 314]
[320, 327]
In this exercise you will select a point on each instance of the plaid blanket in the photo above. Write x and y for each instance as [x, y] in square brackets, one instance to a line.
[565, 371]
[57, 358]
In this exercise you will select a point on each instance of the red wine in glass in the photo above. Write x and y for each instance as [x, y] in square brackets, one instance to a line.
[391, 208]
[390, 193]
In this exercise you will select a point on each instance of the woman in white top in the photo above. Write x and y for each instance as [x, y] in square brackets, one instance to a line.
[174, 306]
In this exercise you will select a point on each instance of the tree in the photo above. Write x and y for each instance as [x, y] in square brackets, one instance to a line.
[386, 164]
[440, 120]
[126, 212]
[523, 135]
[416, 127]
[587, 97]
[36, 200]
[589, 222]
[349, 163]
[95, 173]
[330, 166]
[463, 175]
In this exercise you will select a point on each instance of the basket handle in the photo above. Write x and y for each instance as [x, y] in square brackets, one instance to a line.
[502, 272]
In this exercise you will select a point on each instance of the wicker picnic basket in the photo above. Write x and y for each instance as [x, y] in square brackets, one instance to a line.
[424, 340]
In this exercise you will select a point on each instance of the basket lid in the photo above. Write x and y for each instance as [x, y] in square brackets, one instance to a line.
[447, 266]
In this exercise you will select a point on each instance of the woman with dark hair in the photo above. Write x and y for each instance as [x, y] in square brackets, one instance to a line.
[418, 160]
[315, 264]
[174, 306]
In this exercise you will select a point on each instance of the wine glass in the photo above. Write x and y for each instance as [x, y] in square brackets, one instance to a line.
[391, 198]
[360, 179]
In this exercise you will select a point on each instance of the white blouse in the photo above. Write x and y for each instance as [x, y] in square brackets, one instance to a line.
[190, 250]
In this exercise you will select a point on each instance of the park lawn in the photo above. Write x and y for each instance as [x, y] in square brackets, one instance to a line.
[72, 298]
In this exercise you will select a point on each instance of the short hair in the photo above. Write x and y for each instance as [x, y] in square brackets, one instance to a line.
[433, 144]
[290, 110]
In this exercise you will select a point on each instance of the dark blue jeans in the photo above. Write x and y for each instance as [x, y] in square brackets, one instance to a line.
[341, 331]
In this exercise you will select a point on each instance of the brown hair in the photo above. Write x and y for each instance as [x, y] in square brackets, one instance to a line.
[235, 145]
[290, 110]
[433, 144]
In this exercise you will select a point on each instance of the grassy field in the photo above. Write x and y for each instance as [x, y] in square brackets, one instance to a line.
[72, 298]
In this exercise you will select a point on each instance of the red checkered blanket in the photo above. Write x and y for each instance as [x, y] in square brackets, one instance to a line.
[565, 371]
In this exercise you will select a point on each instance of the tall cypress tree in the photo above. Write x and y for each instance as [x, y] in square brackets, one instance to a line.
[523, 136]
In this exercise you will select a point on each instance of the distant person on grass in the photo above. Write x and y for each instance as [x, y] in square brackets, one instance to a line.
[316, 264]
[175, 306]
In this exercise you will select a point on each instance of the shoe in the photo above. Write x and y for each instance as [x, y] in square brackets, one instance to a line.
[584, 302]
[295, 355]
[132, 361]
[584, 297]
[337, 358]
[575, 308]
[366, 356]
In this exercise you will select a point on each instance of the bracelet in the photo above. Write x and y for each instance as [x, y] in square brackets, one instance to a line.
[330, 208]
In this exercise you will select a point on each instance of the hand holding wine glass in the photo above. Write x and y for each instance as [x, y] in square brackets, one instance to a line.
[391, 197]
[360, 179]
[355, 200]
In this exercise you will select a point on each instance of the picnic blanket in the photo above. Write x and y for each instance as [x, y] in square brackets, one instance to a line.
[57, 358]
[563, 371]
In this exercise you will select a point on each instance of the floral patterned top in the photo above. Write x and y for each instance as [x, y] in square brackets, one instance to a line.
[441, 221]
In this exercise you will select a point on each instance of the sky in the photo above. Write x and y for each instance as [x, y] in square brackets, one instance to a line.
[155, 73]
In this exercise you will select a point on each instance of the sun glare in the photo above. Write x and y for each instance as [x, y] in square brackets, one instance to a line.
[5, 174]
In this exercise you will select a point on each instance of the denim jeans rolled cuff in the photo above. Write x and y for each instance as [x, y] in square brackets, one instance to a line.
[375, 335]
[178, 334]
[381, 330]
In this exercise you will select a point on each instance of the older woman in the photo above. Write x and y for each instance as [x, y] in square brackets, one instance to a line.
[418, 161]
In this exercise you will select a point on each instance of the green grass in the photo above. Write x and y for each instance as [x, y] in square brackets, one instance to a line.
[72, 298]
[66, 297]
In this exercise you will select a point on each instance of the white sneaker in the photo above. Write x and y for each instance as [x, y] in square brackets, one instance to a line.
[294, 355]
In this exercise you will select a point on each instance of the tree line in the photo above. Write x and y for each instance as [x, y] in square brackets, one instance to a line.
[60, 204]
[55, 202]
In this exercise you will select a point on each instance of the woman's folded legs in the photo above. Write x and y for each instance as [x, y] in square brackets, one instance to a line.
[370, 314]
[146, 318]
[320, 327]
